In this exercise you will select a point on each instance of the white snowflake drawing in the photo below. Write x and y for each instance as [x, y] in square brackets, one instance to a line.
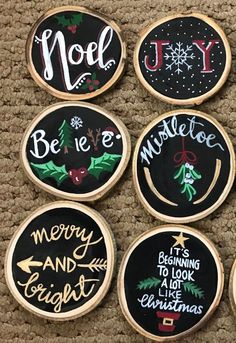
[179, 57]
[76, 122]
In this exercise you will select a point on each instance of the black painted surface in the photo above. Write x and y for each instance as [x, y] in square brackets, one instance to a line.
[190, 82]
[163, 167]
[142, 264]
[55, 281]
[74, 159]
[87, 31]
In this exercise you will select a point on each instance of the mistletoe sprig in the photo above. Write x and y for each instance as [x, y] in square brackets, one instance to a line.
[186, 174]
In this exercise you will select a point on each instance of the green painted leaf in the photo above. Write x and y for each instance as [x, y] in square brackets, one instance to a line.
[195, 174]
[192, 189]
[148, 283]
[85, 86]
[194, 289]
[63, 21]
[189, 190]
[49, 169]
[106, 162]
[77, 19]
[94, 76]
[180, 174]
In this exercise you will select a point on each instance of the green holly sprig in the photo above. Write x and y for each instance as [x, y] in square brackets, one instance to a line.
[71, 23]
[104, 163]
[92, 84]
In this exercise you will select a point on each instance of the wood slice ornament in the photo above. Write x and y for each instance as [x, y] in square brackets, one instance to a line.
[183, 166]
[183, 59]
[170, 282]
[59, 263]
[232, 288]
[75, 53]
[75, 150]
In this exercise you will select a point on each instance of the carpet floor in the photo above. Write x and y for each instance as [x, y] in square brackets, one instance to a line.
[21, 99]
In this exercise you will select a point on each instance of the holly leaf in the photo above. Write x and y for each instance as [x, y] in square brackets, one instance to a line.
[77, 19]
[49, 169]
[106, 162]
[148, 283]
[61, 20]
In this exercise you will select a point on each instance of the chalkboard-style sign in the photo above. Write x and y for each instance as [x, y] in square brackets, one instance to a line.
[75, 53]
[183, 59]
[232, 288]
[183, 166]
[75, 150]
[59, 263]
[170, 282]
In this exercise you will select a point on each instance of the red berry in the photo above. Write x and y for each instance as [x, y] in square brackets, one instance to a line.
[77, 180]
[72, 28]
[77, 175]
[91, 88]
[96, 82]
[83, 172]
[72, 173]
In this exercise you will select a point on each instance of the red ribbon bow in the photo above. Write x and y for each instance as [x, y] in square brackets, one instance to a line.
[184, 156]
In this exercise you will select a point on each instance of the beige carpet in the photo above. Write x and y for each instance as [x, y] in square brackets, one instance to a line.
[21, 99]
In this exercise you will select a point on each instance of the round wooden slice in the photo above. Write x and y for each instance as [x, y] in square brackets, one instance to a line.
[75, 53]
[183, 166]
[75, 150]
[183, 59]
[59, 263]
[232, 288]
[170, 282]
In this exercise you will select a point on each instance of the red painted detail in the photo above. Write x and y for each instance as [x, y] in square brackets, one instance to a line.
[184, 156]
[167, 317]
